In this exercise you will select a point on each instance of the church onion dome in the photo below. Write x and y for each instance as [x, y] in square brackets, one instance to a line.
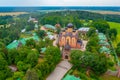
[70, 25]
[67, 47]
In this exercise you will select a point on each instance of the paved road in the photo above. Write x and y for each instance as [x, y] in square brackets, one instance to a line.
[61, 69]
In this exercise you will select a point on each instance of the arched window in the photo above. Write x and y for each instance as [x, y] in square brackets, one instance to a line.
[73, 40]
[67, 40]
[63, 39]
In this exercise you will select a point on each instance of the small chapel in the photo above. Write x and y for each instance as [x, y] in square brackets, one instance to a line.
[69, 38]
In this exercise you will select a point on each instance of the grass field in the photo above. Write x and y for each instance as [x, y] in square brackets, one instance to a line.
[116, 26]
[12, 13]
[105, 12]
[107, 77]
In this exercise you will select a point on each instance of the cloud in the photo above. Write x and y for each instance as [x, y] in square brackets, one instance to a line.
[59, 2]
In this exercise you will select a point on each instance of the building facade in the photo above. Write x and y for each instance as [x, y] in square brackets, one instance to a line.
[69, 38]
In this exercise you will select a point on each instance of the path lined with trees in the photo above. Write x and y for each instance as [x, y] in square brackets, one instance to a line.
[61, 69]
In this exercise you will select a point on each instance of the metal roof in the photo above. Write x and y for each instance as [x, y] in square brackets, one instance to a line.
[15, 43]
[12, 45]
[104, 49]
[43, 50]
[36, 25]
[84, 29]
[49, 26]
[102, 42]
[102, 36]
[70, 77]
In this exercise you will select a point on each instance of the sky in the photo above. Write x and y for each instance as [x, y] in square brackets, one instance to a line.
[59, 2]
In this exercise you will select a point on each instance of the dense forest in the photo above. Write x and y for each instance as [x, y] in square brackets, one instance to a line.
[69, 16]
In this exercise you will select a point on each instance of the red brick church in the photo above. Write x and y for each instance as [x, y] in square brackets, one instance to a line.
[69, 38]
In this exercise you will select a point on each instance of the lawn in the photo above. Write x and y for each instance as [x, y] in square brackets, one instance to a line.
[108, 77]
[116, 26]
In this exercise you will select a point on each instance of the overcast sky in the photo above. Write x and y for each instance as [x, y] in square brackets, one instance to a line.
[59, 2]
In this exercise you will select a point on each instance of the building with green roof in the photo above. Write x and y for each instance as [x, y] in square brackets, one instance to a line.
[48, 26]
[43, 50]
[101, 36]
[21, 41]
[104, 49]
[12, 45]
[36, 26]
[104, 43]
[16, 43]
[70, 77]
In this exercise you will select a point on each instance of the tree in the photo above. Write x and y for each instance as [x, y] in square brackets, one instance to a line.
[12, 53]
[2, 62]
[31, 43]
[89, 61]
[113, 33]
[75, 57]
[3, 50]
[5, 72]
[22, 54]
[52, 54]
[118, 44]
[30, 26]
[22, 66]
[77, 23]
[101, 26]
[18, 75]
[91, 32]
[41, 33]
[93, 45]
[48, 42]
[58, 30]
[31, 74]
[118, 49]
[32, 58]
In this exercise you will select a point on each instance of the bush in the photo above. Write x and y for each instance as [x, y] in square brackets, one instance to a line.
[83, 76]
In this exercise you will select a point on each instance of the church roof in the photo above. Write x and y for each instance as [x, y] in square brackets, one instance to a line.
[70, 25]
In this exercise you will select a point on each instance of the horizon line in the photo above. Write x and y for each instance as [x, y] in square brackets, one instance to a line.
[61, 6]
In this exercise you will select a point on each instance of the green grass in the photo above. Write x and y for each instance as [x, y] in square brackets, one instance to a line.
[107, 77]
[117, 27]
